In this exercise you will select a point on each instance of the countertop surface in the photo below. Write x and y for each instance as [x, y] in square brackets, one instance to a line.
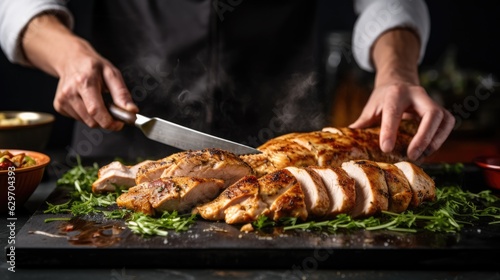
[47, 186]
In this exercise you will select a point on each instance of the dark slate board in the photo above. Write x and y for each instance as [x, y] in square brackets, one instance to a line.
[107, 243]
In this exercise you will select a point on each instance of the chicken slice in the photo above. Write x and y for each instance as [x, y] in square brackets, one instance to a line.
[371, 188]
[116, 174]
[154, 169]
[316, 195]
[182, 193]
[247, 211]
[209, 163]
[283, 194]
[137, 198]
[246, 187]
[341, 189]
[422, 185]
[330, 149]
[400, 193]
[278, 155]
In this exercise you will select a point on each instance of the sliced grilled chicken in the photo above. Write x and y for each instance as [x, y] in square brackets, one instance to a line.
[278, 139]
[341, 189]
[422, 185]
[116, 174]
[137, 198]
[209, 163]
[369, 139]
[371, 188]
[278, 155]
[260, 163]
[283, 195]
[247, 211]
[154, 169]
[276, 195]
[182, 193]
[238, 192]
[316, 195]
[330, 149]
[400, 193]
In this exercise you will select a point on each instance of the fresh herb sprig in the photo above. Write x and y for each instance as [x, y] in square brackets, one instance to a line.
[453, 209]
[148, 226]
[83, 201]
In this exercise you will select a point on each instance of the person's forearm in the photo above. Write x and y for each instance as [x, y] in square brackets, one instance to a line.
[44, 43]
[395, 57]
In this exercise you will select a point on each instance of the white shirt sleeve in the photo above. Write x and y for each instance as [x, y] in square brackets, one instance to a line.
[16, 14]
[378, 16]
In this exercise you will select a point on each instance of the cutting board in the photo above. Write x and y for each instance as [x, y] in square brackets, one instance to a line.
[95, 241]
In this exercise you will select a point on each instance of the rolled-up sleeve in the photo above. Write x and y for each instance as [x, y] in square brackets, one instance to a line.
[378, 16]
[16, 14]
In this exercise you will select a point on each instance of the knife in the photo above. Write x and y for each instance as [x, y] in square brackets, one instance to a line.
[177, 136]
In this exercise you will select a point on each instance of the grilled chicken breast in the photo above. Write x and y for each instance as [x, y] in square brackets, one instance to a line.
[137, 197]
[154, 169]
[182, 193]
[275, 195]
[237, 193]
[400, 193]
[318, 174]
[209, 163]
[369, 139]
[330, 149]
[278, 155]
[422, 185]
[371, 189]
[316, 195]
[116, 174]
[340, 187]
[283, 195]
[247, 211]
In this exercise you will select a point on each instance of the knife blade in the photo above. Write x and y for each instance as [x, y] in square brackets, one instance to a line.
[177, 136]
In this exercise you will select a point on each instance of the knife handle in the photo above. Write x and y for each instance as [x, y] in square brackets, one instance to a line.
[121, 114]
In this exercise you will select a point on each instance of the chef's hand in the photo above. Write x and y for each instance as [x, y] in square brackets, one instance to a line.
[397, 94]
[83, 74]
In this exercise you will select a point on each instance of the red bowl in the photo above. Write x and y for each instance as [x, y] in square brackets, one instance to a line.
[24, 180]
[491, 169]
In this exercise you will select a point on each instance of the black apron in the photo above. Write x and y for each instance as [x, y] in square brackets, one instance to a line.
[242, 70]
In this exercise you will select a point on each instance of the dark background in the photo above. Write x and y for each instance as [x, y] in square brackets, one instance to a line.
[468, 27]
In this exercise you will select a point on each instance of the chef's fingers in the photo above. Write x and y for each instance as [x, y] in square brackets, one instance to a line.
[432, 116]
[68, 103]
[117, 88]
[396, 101]
[90, 88]
[442, 133]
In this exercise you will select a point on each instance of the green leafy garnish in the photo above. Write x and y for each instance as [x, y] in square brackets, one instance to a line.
[148, 226]
[450, 212]
[83, 201]
[263, 222]
[116, 214]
